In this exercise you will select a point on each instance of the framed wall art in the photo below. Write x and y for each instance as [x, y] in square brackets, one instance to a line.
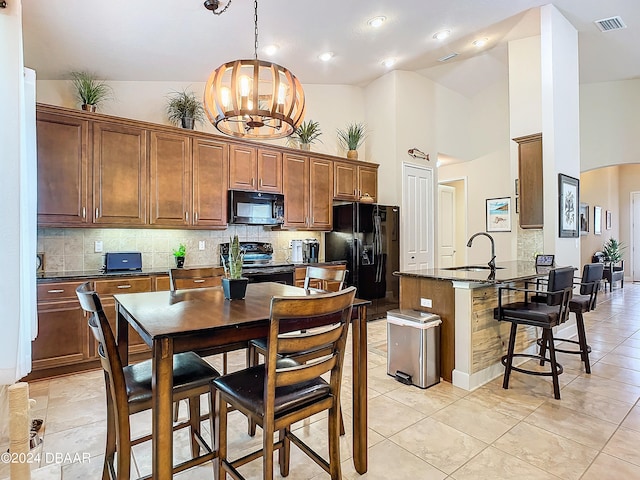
[584, 218]
[608, 220]
[597, 220]
[499, 214]
[568, 198]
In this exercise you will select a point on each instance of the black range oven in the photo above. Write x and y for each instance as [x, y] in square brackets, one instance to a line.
[258, 263]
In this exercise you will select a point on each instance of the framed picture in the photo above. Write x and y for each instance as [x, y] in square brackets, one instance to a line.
[597, 220]
[517, 187]
[568, 197]
[608, 220]
[584, 219]
[499, 214]
[517, 204]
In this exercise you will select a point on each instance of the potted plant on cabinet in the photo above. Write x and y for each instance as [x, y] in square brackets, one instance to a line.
[306, 134]
[184, 109]
[90, 92]
[179, 255]
[234, 284]
[351, 138]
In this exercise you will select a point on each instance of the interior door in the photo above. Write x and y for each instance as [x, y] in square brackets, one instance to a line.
[417, 221]
[446, 226]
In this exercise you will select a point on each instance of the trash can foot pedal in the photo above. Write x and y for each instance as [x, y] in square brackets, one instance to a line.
[403, 378]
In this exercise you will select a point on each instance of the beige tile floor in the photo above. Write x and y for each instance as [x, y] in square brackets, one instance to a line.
[441, 432]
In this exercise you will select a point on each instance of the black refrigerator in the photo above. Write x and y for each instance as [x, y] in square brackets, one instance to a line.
[367, 237]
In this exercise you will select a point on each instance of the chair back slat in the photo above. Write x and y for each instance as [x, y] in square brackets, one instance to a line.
[331, 310]
[195, 277]
[305, 372]
[325, 274]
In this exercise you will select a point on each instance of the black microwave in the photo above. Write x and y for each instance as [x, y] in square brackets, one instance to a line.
[255, 208]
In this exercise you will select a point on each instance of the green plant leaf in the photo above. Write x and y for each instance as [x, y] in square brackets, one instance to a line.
[352, 137]
[307, 132]
[184, 105]
[89, 90]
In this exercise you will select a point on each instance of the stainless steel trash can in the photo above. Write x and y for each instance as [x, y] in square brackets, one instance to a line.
[413, 347]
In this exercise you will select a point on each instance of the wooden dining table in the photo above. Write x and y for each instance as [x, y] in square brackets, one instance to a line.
[198, 319]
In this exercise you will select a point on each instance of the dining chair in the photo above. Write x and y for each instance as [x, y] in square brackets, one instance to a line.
[331, 278]
[546, 315]
[129, 391]
[282, 391]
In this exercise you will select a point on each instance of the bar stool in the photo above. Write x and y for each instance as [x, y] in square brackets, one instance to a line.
[580, 304]
[544, 315]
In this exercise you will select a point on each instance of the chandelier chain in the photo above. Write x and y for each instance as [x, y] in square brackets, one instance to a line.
[223, 10]
[255, 20]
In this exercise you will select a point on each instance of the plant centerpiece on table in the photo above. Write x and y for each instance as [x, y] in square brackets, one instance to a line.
[612, 250]
[90, 91]
[351, 138]
[184, 109]
[234, 284]
[179, 255]
[306, 134]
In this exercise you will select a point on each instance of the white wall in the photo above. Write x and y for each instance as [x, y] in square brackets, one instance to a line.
[609, 123]
[333, 106]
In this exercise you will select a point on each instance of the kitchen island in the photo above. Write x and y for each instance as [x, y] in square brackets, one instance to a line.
[471, 340]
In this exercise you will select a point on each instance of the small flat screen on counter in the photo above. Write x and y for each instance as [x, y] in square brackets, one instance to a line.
[544, 260]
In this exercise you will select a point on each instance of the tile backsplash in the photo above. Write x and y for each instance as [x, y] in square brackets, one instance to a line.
[73, 249]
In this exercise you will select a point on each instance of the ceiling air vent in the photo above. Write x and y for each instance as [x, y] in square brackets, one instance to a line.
[448, 57]
[608, 24]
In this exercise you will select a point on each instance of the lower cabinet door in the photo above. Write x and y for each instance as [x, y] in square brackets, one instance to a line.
[62, 335]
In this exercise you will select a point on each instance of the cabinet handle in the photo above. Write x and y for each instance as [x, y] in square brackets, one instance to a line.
[96, 213]
[199, 281]
[195, 217]
[260, 183]
[186, 216]
[55, 291]
[124, 286]
[355, 192]
[84, 212]
[253, 181]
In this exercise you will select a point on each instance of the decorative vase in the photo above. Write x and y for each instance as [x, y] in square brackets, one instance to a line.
[234, 288]
[89, 108]
[188, 123]
[179, 262]
[352, 154]
[305, 146]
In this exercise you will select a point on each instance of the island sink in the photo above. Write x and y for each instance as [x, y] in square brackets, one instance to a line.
[473, 268]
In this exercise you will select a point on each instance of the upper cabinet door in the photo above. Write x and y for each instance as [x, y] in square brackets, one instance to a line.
[345, 184]
[170, 179]
[530, 180]
[295, 174]
[63, 170]
[368, 181]
[242, 168]
[320, 194]
[210, 173]
[269, 171]
[119, 174]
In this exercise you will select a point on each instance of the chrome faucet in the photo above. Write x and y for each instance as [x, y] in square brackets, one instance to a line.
[492, 262]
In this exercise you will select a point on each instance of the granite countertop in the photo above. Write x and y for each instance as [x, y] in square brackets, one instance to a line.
[505, 272]
[87, 274]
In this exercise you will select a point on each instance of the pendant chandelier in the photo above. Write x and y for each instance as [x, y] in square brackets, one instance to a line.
[254, 98]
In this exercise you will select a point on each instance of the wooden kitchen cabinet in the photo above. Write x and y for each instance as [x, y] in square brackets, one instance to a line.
[255, 169]
[107, 288]
[530, 181]
[63, 170]
[63, 333]
[169, 179]
[119, 174]
[308, 192]
[351, 181]
[210, 167]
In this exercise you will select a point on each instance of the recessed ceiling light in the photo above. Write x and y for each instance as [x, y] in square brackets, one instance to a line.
[375, 22]
[326, 56]
[270, 49]
[481, 42]
[389, 62]
[441, 35]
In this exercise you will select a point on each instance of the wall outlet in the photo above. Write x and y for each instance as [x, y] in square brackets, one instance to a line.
[201, 245]
[97, 246]
[426, 302]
